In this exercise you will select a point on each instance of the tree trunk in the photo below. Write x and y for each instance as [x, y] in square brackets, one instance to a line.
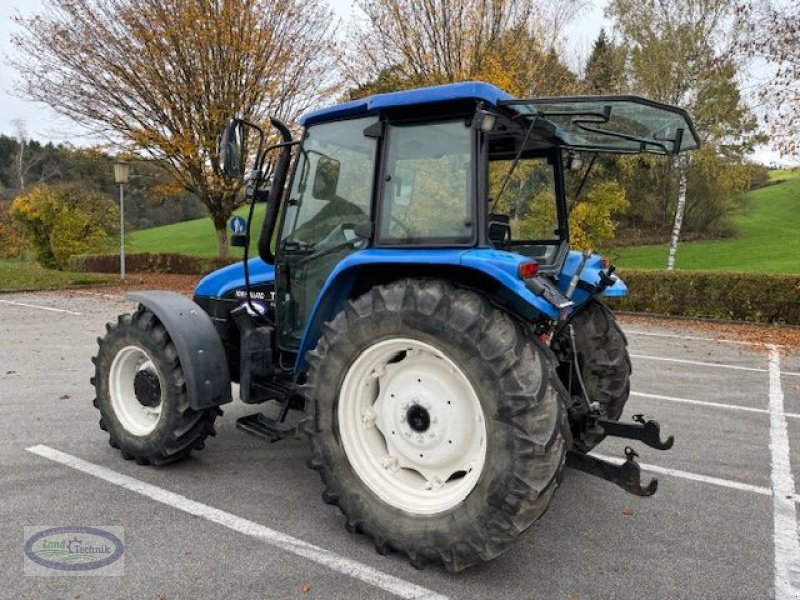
[222, 240]
[683, 167]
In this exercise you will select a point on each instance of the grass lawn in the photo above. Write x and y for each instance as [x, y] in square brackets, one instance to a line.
[188, 237]
[25, 275]
[768, 238]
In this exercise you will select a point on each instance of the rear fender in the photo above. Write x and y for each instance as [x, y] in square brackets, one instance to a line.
[384, 265]
[589, 277]
[199, 348]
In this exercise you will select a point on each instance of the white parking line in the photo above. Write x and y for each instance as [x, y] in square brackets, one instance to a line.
[786, 535]
[694, 338]
[346, 566]
[762, 411]
[50, 308]
[710, 364]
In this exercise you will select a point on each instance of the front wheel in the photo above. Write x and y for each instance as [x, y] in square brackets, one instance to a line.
[141, 393]
[438, 426]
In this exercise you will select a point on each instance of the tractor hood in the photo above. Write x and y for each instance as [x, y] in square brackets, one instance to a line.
[610, 124]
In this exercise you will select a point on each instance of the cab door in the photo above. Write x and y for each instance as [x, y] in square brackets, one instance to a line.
[326, 214]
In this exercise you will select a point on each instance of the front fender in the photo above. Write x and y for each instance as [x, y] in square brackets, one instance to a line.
[202, 356]
[500, 266]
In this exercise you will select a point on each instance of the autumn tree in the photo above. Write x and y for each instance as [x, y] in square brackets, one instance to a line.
[162, 77]
[511, 43]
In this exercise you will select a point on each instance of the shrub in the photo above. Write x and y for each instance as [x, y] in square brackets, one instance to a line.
[755, 297]
[63, 220]
[12, 238]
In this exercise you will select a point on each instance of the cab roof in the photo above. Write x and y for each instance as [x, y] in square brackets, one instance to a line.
[467, 90]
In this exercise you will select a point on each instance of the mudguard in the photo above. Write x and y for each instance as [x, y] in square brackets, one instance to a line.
[200, 350]
[499, 265]
[590, 275]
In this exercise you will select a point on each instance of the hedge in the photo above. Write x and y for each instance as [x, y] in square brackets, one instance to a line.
[756, 297]
[145, 262]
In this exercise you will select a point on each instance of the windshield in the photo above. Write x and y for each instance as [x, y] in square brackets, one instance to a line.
[525, 215]
[614, 124]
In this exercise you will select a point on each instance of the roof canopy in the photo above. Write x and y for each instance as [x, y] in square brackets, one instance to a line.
[467, 90]
[615, 124]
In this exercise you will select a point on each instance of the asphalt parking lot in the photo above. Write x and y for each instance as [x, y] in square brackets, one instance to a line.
[243, 519]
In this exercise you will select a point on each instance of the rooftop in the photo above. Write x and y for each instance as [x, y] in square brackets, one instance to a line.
[467, 90]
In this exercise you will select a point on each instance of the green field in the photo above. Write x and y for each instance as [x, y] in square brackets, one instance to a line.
[188, 237]
[767, 239]
[25, 275]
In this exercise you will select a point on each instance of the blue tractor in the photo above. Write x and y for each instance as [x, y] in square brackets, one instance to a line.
[414, 307]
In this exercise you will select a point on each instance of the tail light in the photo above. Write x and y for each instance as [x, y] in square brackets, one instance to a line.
[528, 269]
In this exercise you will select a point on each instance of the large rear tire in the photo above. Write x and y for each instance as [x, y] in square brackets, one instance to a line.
[438, 427]
[604, 362]
[141, 393]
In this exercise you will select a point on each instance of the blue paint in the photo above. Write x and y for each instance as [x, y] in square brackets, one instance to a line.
[499, 265]
[590, 274]
[218, 283]
[467, 90]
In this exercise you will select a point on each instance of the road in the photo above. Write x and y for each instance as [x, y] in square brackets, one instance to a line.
[243, 519]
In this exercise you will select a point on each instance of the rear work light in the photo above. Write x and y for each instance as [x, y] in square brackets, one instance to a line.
[527, 270]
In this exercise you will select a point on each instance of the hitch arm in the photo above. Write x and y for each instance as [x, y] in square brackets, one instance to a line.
[627, 475]
[646, 431]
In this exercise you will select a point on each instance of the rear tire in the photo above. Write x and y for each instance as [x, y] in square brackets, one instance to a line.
[141, 393]
[605, 365]
[459, 369]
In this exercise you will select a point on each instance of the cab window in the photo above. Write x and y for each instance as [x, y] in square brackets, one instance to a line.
[428, 185]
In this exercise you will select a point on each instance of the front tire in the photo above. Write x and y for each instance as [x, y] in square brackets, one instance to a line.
[438, 426]
[141, 393]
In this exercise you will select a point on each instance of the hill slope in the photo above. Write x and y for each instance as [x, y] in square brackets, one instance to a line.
[768, 239]
[188, 237]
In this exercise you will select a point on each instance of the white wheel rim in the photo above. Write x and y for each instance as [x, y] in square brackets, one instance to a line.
[418, 470]
[136, 418]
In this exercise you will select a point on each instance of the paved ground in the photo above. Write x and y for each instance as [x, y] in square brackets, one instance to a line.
[713, 530]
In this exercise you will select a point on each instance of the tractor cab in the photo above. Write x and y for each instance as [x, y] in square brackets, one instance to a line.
[422, 179]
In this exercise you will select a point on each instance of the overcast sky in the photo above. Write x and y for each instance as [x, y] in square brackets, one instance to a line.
[43, 124]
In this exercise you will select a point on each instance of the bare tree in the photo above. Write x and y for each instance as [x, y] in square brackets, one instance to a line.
[771, 33]
[163, 76]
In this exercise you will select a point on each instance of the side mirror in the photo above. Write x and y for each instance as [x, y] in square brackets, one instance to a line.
[326, 178]
[231, 149]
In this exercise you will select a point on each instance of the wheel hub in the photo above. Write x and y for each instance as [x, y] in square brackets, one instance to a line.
[147, 388]
[418, 418]
[412, 426]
